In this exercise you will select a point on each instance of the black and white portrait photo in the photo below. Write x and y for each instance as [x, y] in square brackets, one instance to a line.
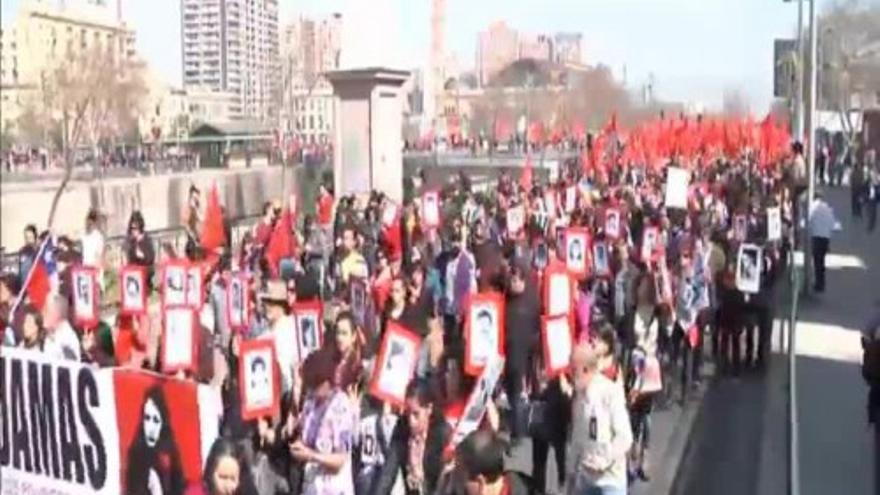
[133, 296]
[484, 337]
[740, 227]
[174, 286]
[84, 292]
[257, 379]
[516, 218]
[558, 293]
[600, 259]
[612, 224]
[649, 242]
[557, 341]
[576, 250]
[395, 364]
[236, 304]
[431, 209]
[177, 339]
[307, 330]
[774, 224]
[748, 268]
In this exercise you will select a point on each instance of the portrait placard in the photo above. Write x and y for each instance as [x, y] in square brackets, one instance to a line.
[258, 379]
[478, 400]
[650, 240]
[179, 342]
[431, 209]
[358, 299]
[749, 263]
[677, 181]
[484, 331]
[577, 251]
[395, 364]
[195, 292]
[601, 259]
[309, 327]
[133, 290]
[516, 219]
[174, 290]
[557, 290]
[612, 223]
[85, 296]
[774, 224]
[237, 307]
[557, 338]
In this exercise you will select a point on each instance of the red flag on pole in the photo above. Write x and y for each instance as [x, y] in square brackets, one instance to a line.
[280, 244]
[213, 233]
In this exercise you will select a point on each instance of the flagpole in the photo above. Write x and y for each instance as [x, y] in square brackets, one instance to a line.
[9, 336]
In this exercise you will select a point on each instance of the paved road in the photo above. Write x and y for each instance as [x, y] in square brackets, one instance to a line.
[740, 439]
[835, 444]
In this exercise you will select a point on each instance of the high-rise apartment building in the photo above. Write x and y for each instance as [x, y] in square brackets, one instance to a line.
[497, 47]
[232, 46]
[567, 48]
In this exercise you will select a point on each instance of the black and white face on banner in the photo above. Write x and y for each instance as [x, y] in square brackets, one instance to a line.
[576, 250]
[600, 259]
[748, 268]
[133, 290]
[178, 339]
[612, 223]
[174, 286]
[774, 224]
[85, 291]
[395, 364]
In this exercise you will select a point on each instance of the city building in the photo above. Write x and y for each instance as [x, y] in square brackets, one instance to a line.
[232, 46]
[538, 47]
[497, 48]
[567, 48]
[45, 33]
[310, 48]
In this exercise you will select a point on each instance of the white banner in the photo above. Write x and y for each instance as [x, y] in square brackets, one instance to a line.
[57, 427]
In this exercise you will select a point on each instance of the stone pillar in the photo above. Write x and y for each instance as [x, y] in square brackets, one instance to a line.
[367, 143]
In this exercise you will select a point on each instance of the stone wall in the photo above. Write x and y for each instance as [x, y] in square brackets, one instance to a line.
[160, 199]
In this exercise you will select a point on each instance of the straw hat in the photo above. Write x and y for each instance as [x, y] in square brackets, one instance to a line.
[276, 291]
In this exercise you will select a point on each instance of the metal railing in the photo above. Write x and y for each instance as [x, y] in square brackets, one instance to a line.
[795, 281]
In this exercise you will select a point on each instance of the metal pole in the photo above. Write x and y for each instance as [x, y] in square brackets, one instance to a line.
[799, 87]
[793, 444]
[810, 142]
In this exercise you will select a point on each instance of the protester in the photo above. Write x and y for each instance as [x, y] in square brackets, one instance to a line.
[329, 422]
[282, 330]
[139, 247]
[61, 341]
[226, 472]
[33, 333]
[822, 224]
[28, 251]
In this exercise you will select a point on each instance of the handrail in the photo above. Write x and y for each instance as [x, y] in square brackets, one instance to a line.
[793, 440]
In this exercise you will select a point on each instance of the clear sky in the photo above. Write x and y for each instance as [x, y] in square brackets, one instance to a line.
[696, 49]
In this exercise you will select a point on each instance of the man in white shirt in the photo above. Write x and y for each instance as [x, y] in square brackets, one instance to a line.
[601, 433]
[822, 224]
[282, 330]
[62, 342]
[93, 246]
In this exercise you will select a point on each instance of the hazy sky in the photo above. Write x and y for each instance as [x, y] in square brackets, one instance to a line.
[694, 48]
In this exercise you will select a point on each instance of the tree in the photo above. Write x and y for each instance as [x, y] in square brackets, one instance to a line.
[849, 59]
[90, 97]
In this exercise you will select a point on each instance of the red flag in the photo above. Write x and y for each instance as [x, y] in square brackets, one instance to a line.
[611, 126]
[39, 285]
[213, 233]
[525, 180]
[280, 243]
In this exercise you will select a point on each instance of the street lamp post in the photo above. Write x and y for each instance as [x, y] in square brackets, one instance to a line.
[810, 142]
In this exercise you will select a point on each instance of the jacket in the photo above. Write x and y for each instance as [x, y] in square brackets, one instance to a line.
[398, 453]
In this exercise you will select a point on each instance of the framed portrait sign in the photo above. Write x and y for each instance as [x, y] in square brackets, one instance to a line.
[358, 299]
[612, 223]
[195, 292]
[774, 224]
[259, 379]
[483, 331]
[577, 251]
[677, 181]
[558, 292]
[558, 341]
[84, 282]
[133, 290]
[180, 347]
[516, 220]
[431, 209]
[395, 364]
[478, 400]
[174, 290]
[237, 308]
[749, 262]
[650, 242]
[663, 283]
[601, 259]
[309, 327]
[740, 228]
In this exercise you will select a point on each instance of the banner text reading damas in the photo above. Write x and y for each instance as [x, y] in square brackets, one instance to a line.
[57, 427]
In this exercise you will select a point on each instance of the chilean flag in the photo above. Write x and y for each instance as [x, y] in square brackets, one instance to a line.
[39, 281]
